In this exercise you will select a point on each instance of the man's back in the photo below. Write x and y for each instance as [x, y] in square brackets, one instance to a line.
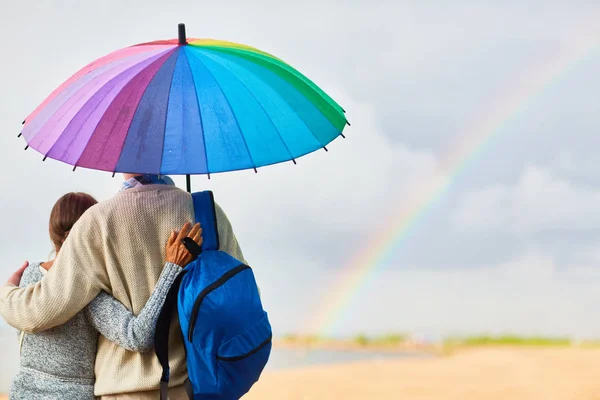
[135, 225]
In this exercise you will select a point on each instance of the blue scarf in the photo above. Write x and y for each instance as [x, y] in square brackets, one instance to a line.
[146, 179]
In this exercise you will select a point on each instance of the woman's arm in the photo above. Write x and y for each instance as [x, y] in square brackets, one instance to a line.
[115, 322]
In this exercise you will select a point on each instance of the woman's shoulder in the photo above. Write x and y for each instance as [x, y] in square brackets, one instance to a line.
[32, 274]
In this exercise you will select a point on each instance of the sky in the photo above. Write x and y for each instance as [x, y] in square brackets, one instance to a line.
[513, 246]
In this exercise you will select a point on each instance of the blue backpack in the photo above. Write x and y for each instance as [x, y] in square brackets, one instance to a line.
[226, 332]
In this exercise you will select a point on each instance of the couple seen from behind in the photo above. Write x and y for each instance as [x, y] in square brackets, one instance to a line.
[87, 318]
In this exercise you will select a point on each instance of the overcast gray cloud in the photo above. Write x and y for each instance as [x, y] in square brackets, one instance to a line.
[537, 204]
[512, 246]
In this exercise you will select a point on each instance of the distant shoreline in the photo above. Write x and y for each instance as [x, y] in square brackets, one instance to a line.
[405, 344]
[348, 345]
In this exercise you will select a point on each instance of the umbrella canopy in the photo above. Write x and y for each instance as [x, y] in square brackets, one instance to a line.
[184, 106]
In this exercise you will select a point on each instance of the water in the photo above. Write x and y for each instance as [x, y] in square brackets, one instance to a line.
[280, 358]
[291, 358]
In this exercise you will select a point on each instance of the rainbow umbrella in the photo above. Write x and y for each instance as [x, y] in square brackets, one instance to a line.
[184, 106]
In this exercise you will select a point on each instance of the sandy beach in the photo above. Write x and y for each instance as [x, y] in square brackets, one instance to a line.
[470, 374]
[477, 374]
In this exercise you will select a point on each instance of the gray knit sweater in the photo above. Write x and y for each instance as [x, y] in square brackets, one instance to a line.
[59, 363]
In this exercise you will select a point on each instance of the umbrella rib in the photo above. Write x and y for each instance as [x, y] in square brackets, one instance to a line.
[277, 93]
[263, 108]
[299, 75]
[232, 112]
[86, 120]
[164, 130]
[81, 107]
[63, 101]
[79, 74]
[136, 107]
[199, 112]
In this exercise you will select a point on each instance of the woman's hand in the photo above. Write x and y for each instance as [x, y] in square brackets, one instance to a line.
[176, 251]
[15, 278]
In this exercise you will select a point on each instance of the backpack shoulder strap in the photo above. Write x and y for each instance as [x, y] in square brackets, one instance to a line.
[204, 208]
[161, 335]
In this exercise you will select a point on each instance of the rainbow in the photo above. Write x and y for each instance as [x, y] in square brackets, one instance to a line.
[474, 142]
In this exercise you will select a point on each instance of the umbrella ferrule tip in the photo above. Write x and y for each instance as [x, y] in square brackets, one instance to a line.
[182, 35]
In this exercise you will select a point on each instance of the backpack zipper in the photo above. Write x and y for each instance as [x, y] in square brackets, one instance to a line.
[207, 290]
[248, 354]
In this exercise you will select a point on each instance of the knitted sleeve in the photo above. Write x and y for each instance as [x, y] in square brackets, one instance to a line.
[116, 323]
[31, 275]
[71, 283]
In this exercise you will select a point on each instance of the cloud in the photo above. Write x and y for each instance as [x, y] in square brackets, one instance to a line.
[538, 203]
[529, 295]
[576, 166]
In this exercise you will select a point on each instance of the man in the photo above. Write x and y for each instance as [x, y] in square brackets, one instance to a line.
[117, 246]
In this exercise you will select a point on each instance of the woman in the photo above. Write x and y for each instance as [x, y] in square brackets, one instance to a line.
[59, 363]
